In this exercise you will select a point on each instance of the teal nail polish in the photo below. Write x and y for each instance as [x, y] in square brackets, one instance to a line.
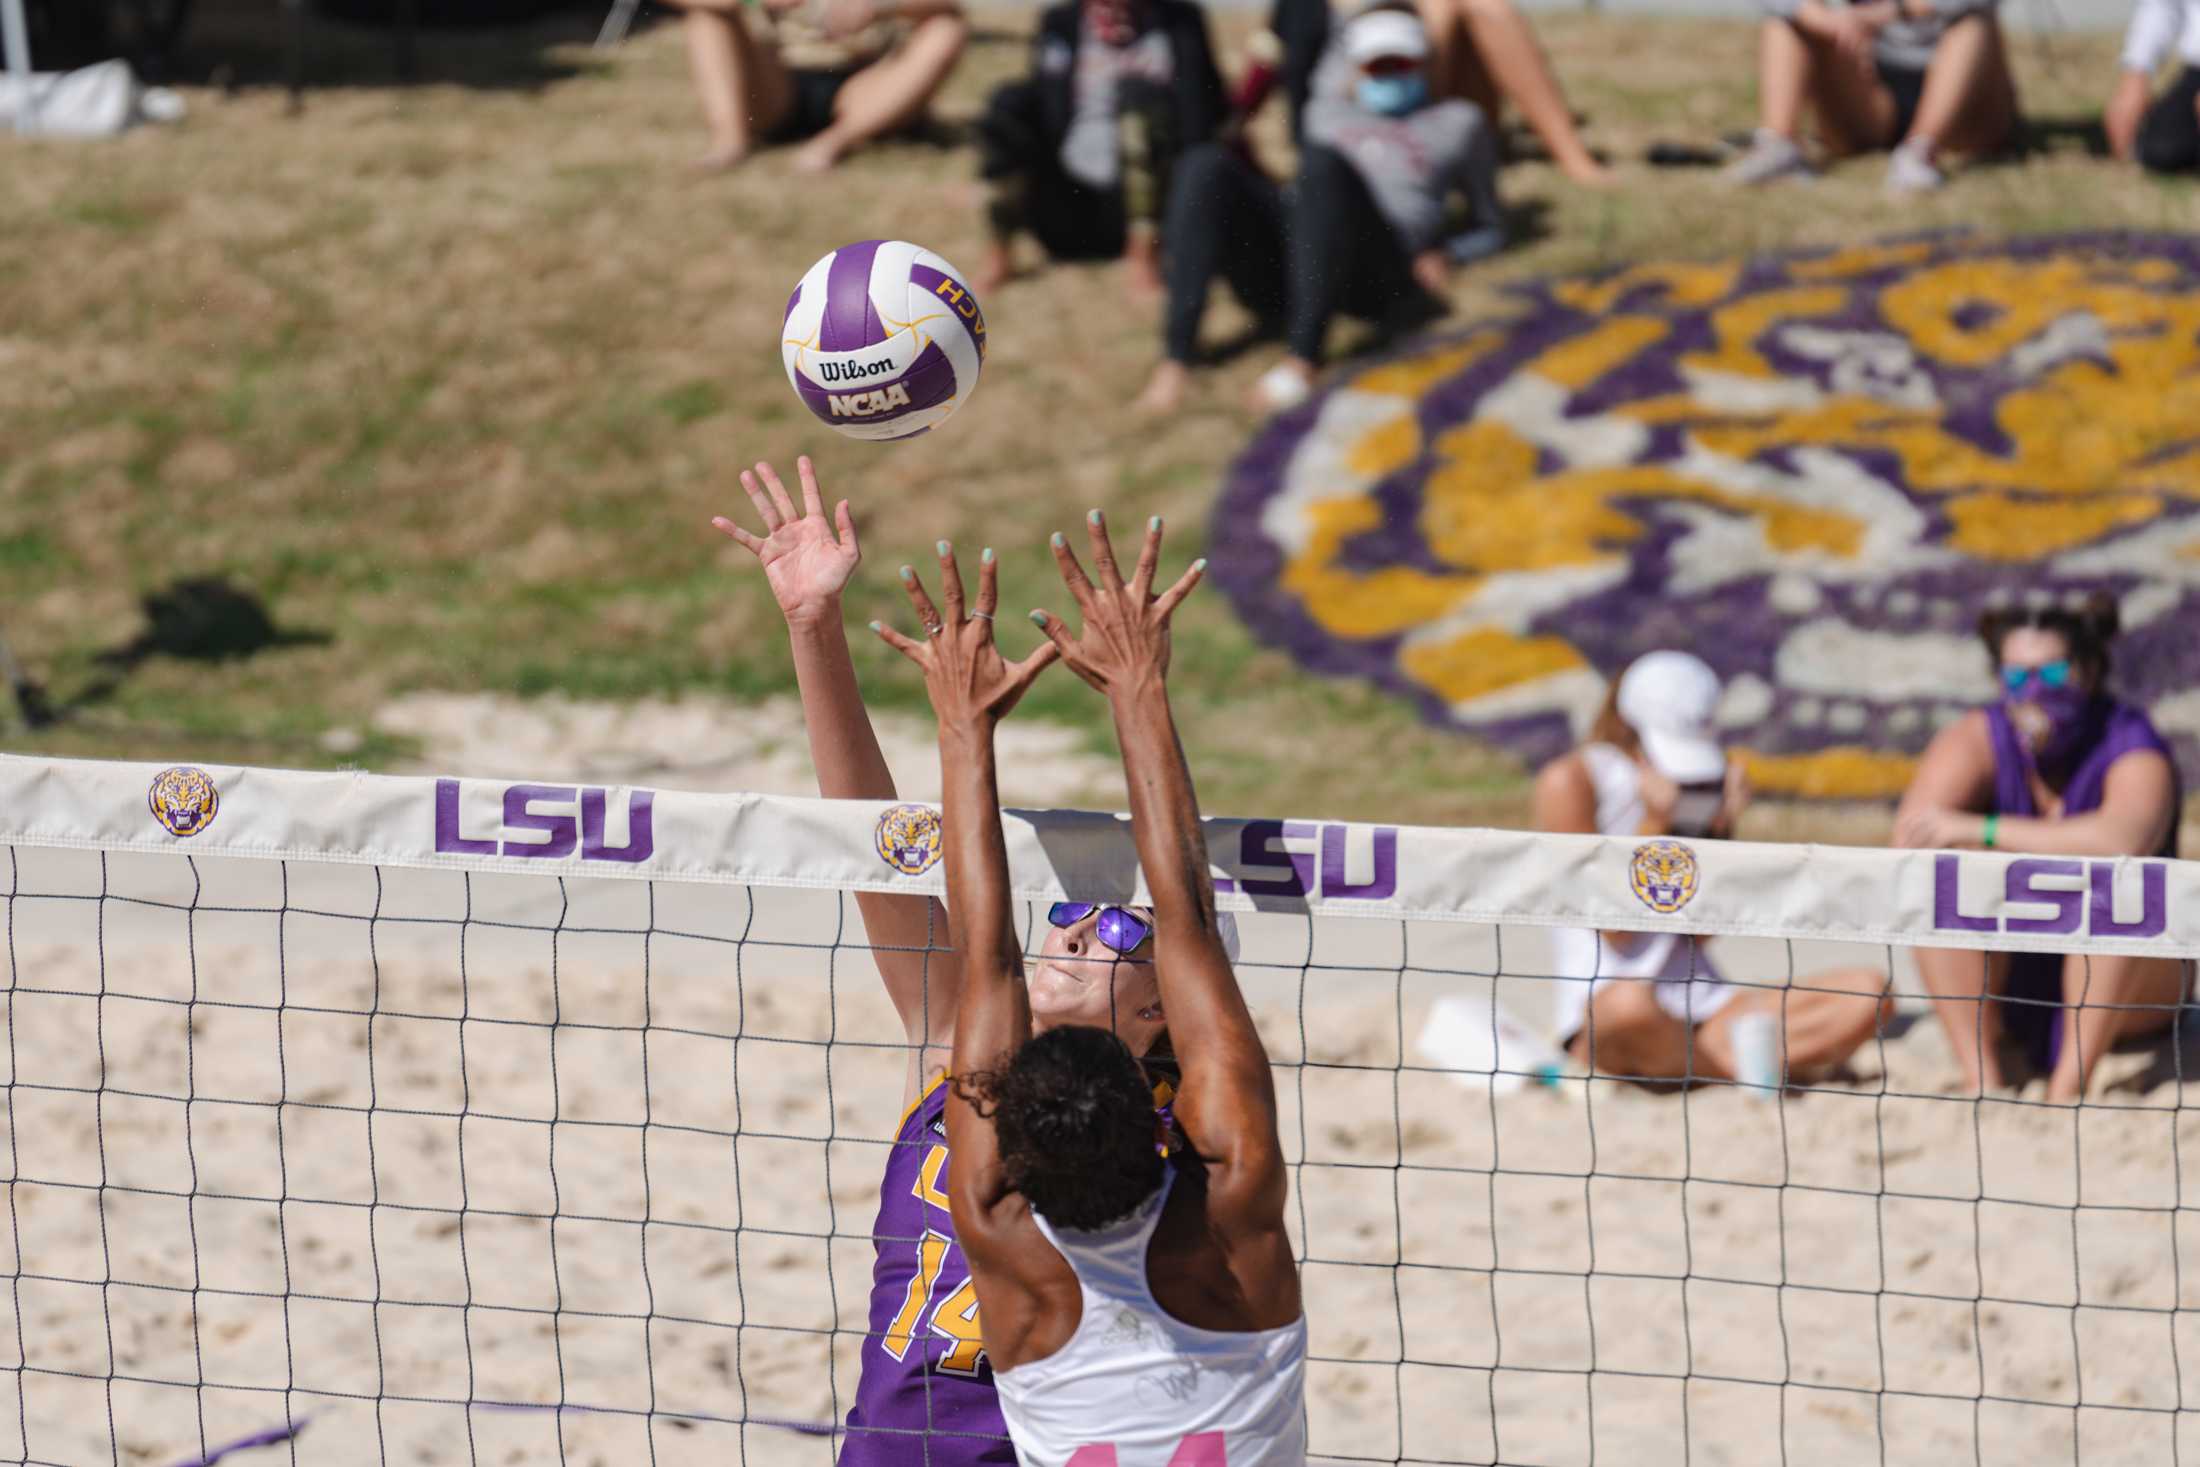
[1039, 619]
[1056, 540]
[876, 627]
[1200, 565]
[1092, 516]
[1154, 523]
[986, 555]
[908, 576]
[941, 547]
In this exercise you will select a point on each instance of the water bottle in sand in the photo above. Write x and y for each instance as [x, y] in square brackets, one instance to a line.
[1757, 1062]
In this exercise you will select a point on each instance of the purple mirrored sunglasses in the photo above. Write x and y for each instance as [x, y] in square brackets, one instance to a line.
[1120, 930]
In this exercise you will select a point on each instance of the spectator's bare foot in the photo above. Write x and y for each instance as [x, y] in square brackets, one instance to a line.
[723, 157]
[819, 154]
[1588, 172]
[999, 266]
[1164, 392]
[1142, 264]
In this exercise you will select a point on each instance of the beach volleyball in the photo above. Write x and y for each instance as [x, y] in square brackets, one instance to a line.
[883, 340]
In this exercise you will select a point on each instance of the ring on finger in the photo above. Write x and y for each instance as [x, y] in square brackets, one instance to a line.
[981, 615]
[935, 629]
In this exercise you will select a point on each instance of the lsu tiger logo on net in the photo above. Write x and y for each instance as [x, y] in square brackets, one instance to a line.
[184, 800]
[1664, 875]
[908, 838]
[1814, 470]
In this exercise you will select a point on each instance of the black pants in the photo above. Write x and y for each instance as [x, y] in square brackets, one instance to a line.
[1344, 256]
[1224, 218]
[1022, 166]
[2169, 136]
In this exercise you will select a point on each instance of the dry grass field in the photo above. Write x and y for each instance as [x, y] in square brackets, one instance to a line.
[450, 376]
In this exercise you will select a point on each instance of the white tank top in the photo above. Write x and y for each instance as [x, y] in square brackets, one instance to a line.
[1134, 1388]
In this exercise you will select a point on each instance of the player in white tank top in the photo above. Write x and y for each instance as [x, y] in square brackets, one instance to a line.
[1239, 1395]
[1092, 1367]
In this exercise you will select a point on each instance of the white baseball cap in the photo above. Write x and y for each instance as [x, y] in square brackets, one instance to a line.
[1385, 33]
[1669, 699]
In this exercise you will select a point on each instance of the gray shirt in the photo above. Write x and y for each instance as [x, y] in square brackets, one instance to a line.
[1092, 148]
[1902, 45]
[1412, 165]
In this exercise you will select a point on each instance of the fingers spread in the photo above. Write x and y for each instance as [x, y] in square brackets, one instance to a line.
[951, 585]
[740, 536]
[989, 588]
[1060, 643]
[1193, 573]
[813, 502]
[1103, 551]
[761, 500]
[780, 501]
[1073, 574]
[1042, 657]
[928, 615]
[913, 650]
[1149, 561]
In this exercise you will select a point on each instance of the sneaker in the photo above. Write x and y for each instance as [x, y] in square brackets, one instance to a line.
[1910, 171]
[1770, 158]
[1281, 389]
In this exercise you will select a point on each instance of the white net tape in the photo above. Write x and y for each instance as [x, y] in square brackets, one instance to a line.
[474, 1122]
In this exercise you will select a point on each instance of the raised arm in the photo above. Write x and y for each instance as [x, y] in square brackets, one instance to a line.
[972, 689]
[806, 563]
[1226, 1104]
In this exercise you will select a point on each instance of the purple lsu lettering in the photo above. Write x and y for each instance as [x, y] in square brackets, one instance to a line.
[2060, 897]
[575, 821]
[1257, 851]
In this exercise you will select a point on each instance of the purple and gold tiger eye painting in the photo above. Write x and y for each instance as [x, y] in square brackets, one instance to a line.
[1814, 471]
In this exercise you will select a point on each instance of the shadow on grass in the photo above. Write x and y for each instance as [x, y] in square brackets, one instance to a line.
[204, 619]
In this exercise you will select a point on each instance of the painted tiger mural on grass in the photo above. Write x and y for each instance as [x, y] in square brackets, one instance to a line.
[1813, 470]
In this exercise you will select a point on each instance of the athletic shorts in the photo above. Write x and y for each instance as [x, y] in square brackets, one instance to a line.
[811, 111]
[1908, 87]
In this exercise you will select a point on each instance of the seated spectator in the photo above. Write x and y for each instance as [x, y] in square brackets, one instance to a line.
[1913, 75]
[2059, 767]
[1369, 228]
[2161, 134]
[1081, 152]
[835, 72]
[1482, 51]
[1652, 1006]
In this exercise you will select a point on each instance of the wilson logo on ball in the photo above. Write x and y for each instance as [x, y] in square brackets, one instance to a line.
[896, 320]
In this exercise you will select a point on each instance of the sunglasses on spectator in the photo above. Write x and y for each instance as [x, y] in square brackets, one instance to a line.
[1389, 65]
[2054, 674]
[1120, 930]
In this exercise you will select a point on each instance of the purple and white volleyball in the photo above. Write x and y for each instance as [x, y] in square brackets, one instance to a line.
[883, 340]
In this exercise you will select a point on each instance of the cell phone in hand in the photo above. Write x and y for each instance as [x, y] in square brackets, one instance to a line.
[1697, 809]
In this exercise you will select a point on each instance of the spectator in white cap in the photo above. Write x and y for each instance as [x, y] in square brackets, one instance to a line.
[1652, 1006]
[1394, 188]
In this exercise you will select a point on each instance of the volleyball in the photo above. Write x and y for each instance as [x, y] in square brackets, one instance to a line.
[883, 340]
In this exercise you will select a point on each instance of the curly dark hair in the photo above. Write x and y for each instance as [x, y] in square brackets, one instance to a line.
[1074, 1115]
[2088, 625]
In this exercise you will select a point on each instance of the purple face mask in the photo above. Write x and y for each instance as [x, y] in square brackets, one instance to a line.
[2059, 725]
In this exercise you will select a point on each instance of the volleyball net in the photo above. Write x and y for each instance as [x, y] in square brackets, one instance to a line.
[355, 1119]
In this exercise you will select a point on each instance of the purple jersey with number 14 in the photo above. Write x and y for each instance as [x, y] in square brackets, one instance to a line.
[925, 1397]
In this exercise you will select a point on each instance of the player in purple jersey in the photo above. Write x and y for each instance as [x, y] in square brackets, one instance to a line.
[926, 1394]
[2056, 767]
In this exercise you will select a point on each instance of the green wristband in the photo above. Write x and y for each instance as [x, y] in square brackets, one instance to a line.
[1986, 835]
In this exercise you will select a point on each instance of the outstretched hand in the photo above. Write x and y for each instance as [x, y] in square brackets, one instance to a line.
[964, 673]
[1125, 637]
[805, 562]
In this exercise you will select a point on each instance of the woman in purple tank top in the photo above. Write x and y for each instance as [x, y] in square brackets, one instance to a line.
[926, 1394]
[2057, 767]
